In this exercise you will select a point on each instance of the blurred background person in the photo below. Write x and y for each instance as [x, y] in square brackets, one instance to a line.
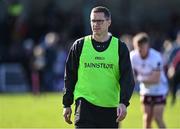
[175, 47]
[173, 67]
[148, 69]
[38, 64]
[127, 39]
[174, 75]
[167, 47]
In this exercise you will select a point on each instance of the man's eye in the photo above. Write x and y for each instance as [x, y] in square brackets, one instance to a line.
[97, 21]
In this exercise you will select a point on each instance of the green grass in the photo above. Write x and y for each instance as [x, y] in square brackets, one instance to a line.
[134, 117]
[45, 111]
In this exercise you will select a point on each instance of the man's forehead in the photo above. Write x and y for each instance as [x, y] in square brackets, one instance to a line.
[97, 15]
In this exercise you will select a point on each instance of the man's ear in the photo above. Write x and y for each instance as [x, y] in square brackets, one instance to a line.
[109, 22]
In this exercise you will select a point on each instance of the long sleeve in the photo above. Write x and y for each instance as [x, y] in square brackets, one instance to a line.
[71, 72]
[126, 80]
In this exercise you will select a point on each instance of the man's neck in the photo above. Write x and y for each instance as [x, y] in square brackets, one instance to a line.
[101, 38]
[146, 56]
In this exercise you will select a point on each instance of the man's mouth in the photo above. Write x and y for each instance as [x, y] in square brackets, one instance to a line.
[96, 29]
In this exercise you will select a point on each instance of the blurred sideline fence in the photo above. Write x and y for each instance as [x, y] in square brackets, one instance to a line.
[12, 78]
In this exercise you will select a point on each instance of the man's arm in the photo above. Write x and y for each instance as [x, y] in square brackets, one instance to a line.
[70, 78]
[152, 78]
[71, 72]
[126, 79]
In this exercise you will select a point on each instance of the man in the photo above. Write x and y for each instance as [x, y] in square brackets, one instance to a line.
[174, 67]
[98, 76]
[174, 75]
[148, 69]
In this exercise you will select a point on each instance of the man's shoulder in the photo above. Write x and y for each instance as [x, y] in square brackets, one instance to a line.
[122, 44]
[134, 54]
[79, 40]
[115, 37]
[155, 53]
[77, 44]
[135, 58]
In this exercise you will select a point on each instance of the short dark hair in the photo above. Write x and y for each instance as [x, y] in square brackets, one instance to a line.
[141, 38]
[102, 9]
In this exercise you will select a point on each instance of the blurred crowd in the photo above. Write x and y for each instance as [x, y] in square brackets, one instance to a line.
[41, 45]
[170, 52]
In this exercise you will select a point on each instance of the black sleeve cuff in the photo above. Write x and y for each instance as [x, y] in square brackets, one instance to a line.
[125, 103]
[66, 106]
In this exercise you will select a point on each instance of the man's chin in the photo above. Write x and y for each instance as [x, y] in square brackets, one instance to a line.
[143, 56]
[97, 33]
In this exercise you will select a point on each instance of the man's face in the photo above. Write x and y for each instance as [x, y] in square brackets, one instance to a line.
[143, 50]
[99, 23]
